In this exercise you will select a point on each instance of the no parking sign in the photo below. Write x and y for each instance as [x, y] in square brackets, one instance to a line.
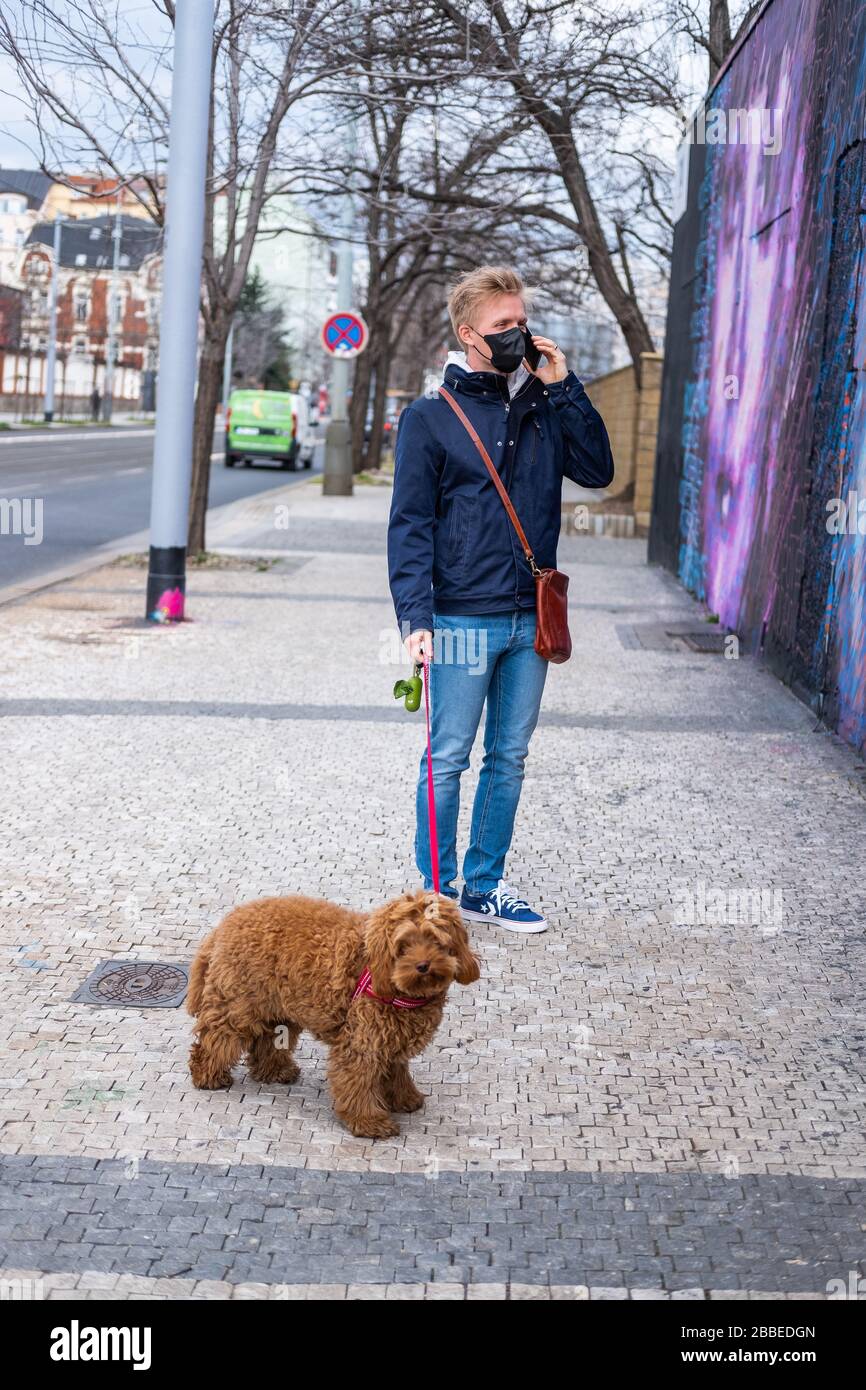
[345, 334]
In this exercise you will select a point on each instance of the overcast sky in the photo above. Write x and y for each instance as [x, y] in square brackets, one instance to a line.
[15, 126]
[19, 142]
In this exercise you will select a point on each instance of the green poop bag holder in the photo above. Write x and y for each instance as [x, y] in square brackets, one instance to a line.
[410, 691]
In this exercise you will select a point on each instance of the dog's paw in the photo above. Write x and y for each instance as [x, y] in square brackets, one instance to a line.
[282, 1071]
[372, 1126]
[408, 1101]
[212, 1083]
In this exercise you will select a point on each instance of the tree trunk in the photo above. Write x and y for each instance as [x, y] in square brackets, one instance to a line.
[358, 407]
[622, 305]
[720, 35]
[556, 125]
[210, 372]
[380, 400]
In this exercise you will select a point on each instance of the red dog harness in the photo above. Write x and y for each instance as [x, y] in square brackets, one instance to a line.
[364, 986]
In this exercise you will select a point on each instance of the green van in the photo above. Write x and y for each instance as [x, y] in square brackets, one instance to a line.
[264, 424]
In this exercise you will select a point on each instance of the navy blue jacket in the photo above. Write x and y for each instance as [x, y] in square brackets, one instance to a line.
[451, 545]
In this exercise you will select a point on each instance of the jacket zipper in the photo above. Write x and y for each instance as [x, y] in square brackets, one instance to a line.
[514, 459]
[514, 544]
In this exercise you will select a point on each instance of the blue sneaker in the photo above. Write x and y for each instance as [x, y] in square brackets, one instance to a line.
[502, 906]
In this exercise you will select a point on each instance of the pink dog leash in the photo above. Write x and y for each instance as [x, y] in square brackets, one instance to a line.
[365, 983]
[431, 798]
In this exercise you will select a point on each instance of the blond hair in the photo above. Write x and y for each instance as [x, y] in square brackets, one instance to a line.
[475, 286]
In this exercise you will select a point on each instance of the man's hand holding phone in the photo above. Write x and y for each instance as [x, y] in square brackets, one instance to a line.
[555, 367]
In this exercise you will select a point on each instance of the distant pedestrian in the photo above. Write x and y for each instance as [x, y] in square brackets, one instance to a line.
[95, 403]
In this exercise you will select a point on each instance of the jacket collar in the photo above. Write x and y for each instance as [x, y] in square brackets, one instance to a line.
[489, 385]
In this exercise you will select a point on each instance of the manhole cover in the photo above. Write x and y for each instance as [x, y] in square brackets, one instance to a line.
[141, 984]
[673, 637]
[710, 641]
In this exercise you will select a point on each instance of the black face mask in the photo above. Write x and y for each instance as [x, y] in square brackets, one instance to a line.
[507, 350]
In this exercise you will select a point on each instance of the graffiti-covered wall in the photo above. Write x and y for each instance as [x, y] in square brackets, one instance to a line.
[761, 463]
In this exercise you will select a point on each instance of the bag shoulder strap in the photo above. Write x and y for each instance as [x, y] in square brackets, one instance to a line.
[497, 481]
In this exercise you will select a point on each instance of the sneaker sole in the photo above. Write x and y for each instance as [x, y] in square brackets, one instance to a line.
[527, 928]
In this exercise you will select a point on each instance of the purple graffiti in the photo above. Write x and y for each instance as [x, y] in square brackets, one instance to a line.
[768, 409]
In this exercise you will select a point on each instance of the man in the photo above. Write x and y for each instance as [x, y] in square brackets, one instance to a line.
[457, 568]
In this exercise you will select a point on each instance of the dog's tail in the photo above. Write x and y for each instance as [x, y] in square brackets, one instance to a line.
[197, 975]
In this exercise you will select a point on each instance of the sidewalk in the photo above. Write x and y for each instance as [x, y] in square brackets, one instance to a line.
[629, 1105]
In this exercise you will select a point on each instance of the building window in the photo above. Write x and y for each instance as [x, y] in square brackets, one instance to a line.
[79, 347]
[81, 258]
[81, 307]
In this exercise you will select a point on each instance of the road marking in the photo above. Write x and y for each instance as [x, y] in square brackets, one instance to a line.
[67, 435]
[121, 545]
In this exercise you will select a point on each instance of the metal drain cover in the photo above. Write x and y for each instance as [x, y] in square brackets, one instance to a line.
[139, 984]
[709, 641]
[673, 637]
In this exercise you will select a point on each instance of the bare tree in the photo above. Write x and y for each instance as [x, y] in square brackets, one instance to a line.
[715, 26]
[96, 81]
[576, 72]
[451, 172]
[525, 157]
[411, 226]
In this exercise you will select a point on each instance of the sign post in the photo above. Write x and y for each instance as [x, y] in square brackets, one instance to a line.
[344, 336]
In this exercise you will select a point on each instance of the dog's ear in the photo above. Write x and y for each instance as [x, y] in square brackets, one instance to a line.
[447, 914]
[379, 937]
[468, 969]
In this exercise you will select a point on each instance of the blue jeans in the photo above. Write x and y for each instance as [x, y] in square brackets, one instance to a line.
[490, 658]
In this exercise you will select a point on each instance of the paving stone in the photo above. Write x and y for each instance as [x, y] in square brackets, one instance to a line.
[631, 1101]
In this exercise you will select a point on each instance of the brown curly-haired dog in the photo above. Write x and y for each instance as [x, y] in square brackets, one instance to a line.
[275, 967]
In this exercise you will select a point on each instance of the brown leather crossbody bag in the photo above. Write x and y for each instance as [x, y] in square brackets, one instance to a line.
[552, 637]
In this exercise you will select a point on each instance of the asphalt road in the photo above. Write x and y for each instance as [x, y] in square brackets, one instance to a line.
[95, 488]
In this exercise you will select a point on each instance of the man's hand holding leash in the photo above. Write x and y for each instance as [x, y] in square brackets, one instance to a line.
[419, 645]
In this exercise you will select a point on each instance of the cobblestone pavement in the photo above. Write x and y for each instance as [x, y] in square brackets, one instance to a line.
[633, 1104]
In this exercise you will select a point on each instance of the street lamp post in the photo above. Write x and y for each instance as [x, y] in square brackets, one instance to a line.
[181, 287]
[51, 363]
[111, 351]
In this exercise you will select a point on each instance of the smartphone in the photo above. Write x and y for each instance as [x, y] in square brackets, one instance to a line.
[532, 355]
